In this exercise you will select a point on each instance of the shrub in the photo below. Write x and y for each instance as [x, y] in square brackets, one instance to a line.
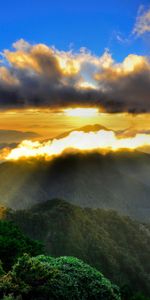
[44, 277]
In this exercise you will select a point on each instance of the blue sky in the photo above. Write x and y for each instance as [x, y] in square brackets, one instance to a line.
[82, 23]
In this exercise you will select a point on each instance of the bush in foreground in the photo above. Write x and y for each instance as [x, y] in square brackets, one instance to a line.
[44, 277]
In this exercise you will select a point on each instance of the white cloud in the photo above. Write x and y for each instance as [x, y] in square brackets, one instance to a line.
[21, 45]
[142, 24]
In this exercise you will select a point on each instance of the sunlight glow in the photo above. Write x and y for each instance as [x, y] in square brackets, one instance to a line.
[102, 141]
[81, 112]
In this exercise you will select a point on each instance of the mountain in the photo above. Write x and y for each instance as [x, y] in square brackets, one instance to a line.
[115, 245]
[16, 136]
[10, 146]
[118, 181]
[86, 128]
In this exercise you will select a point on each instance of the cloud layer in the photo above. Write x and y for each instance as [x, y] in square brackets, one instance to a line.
[38, 76]
[103, 141]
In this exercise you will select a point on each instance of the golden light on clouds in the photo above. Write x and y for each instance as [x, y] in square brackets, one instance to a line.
[133, 62]
[49, 124]
[38, 76]
[81, 112]
[86, 85]
[102, 141]
[67, 65]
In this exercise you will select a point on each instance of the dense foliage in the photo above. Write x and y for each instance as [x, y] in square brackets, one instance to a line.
[115, 245]
[44, 277]
[13, 244]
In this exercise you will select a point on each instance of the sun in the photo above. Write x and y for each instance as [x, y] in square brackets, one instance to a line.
[81, 112]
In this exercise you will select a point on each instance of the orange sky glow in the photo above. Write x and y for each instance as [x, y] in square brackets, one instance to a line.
[49, 123]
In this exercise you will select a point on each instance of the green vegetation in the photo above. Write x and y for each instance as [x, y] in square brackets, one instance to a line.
[116, 245]
[139, 297]
[13, 244]
[44, 277]
[1, 269]
[10, 297]
[98, 236]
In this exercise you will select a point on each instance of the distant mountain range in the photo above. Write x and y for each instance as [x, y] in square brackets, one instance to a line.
[16, 136]
[118, 181]
[127, 132]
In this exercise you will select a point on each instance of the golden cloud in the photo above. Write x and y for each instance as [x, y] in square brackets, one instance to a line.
[103, 141]
[40, 76]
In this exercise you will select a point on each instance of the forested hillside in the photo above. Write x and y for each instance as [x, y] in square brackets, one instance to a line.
[115, 245]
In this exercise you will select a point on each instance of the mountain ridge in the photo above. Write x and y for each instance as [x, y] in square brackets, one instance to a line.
[118, 181]
[114, 244]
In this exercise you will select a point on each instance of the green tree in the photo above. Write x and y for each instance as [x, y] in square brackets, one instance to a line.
[44, 277]
[10, 297]
[140, 296]
[13, 244]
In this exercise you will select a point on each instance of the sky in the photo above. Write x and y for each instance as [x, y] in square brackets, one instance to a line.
[81, 23]
[60, 55]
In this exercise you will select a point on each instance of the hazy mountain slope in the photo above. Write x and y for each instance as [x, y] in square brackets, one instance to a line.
[116, 245]
[119, 181]
[15, 136]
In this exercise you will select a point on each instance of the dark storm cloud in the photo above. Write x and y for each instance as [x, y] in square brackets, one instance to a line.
[38, 76]
[130, 92]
